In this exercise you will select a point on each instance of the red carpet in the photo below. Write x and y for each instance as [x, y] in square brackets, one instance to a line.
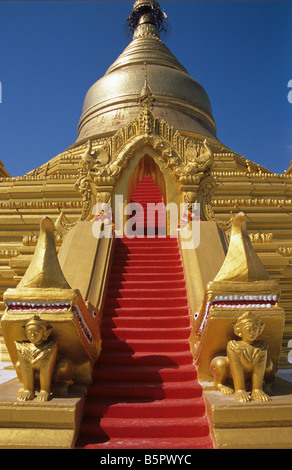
[145, 394]
[147, 194]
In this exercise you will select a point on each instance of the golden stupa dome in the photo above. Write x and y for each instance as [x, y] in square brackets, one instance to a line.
[113, 101]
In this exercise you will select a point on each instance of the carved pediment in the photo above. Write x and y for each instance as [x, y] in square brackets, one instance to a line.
[188, 159]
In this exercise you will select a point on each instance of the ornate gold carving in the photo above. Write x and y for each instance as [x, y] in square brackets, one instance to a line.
[62, 224]
[242, 283]
[188, 160]
[73, 325]
[41, 205]
[199, 158]
[87, 159]
[8, 254]
[86, 187]
[38, 365]
[32, 239]
[246, 360]
[96, 159]
[285, 250]
[260, 174]
[251, 202]
[176, 150]
[260, 237]
[146, 98]
[207, 211]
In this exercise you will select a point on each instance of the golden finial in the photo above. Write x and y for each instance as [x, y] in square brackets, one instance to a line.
[147, 11]
[146, 97]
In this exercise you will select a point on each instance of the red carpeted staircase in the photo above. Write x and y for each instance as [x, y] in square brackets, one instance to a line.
[148, 197]
[145, 394]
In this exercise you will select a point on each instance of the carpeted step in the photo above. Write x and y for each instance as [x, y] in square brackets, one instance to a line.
[142, 276]
[147, 250]
[144, 322]
[137, 359]
[155, 293]
[162, 269]
[167, 408]
[146, 345]
[134, 428]
[146, 285]
[148, 261]
[133, 302]
[142, 310]
[145, 259]
[145, 333]
[204, 442]
[147, 242]
[145, 390]
[144, 374]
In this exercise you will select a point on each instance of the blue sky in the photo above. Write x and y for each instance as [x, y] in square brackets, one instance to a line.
[51, 52]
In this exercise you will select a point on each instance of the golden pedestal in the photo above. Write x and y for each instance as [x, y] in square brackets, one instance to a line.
[252, 425]
[52, 424]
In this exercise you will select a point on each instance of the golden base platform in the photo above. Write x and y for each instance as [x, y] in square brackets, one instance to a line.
[55, 424]
[52, 424]
[252, 425]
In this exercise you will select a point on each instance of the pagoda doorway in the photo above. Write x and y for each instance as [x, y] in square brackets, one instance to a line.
[147, 198]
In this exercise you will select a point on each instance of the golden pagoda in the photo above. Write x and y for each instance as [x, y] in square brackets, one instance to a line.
[66, 253]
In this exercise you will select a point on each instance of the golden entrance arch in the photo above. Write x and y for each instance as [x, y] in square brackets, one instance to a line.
[147, 167]
[146, 161]
[150, 213]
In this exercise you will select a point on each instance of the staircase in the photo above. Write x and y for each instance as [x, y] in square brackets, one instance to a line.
[145, 394]
[146, 196]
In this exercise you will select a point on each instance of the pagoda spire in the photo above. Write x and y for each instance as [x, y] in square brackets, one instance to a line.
[147, 12]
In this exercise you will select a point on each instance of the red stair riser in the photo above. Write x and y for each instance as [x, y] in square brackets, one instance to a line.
[142, 360]
[137, 269]
[117, 322]
[148, 312]
[145, 277]
[147, 242]
[145, 333]
[155, 409]
[160, 428]
[144, 374]
[144, 256]
[131, 284]
[155, 250]
[147, 261]
[141, 391]
[199, 442]
[138, 293]
[141, 345]
[146, 303]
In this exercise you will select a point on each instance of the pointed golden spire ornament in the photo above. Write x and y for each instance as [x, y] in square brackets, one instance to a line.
[44, 270]
[146, 97]
[242, 262]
